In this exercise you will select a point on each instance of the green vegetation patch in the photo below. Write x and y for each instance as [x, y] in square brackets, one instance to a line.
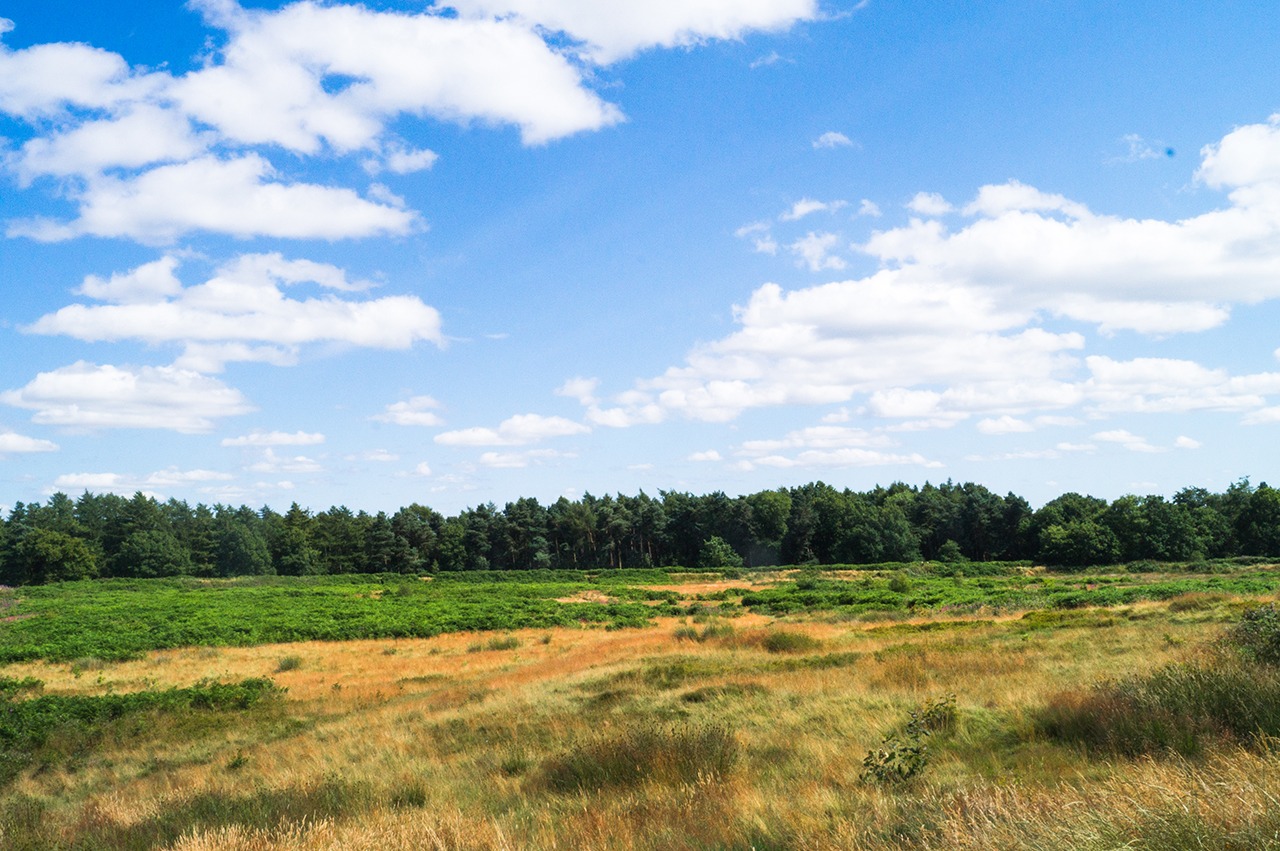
[122, 619]
[53, 727]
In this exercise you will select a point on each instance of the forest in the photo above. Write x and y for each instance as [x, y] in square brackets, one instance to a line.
[107, 535]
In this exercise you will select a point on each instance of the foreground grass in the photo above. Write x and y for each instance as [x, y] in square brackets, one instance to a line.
[699, 731]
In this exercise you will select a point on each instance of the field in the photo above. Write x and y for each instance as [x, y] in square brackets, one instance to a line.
[912, 706]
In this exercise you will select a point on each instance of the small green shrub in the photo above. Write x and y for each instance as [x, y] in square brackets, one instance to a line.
[1257, 634]
[904, 754]
[506, 642]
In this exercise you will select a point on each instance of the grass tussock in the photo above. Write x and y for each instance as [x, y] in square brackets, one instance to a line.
[638, 755]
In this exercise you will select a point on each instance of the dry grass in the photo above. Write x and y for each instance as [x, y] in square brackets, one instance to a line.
[422, 744]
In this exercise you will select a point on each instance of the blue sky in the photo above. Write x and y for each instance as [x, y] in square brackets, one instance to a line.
[395, 252]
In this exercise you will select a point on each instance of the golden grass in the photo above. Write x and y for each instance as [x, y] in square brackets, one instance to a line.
[440, 746]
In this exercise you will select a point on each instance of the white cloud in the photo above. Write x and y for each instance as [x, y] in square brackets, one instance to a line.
[129, 483]
[516, 460]
[1126, 439]
[1184, 442]
[1004, 425]
[152, 155]
[142, 135]
[519, 430]
[613, 31]
[270, 86]
[582, 389]
[418, 411]
[951, 324]
[47, 78]
[832, 139]
[152, 281]
[401, 160]
[1166, 385]
[769, 59]
[242, 313]
[270, 462]
[708, 455]
[929, 204]
[86, 395]
[12, 443]
[379, 456]
[274, 438]
[422, 469]
[807, 206]
[815, 251]
[233, 196]
[867, 207]
[1137, 149]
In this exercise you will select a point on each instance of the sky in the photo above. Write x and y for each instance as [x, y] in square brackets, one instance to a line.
[394, 252]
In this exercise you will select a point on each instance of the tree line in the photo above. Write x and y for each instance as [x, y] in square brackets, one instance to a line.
[107, 535]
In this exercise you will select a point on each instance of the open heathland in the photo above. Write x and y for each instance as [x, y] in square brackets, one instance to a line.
[902, 706]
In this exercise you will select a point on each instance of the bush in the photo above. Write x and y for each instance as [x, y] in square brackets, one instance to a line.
[904, 754]
[1257, 635]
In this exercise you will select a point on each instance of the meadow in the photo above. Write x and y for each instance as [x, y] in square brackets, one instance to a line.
[907, 706]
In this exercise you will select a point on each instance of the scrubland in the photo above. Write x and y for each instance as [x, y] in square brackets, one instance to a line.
[977, 718]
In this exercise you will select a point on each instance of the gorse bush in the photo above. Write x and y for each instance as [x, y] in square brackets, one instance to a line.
[672, 755]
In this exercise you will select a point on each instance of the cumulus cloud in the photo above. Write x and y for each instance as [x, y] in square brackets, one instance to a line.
[582, 389]
[708, 455]
[808, 206]
[816, 251]
[1004, 425]
[130, 483]
[517, 460]
[87, 395]
[519, 430]
[262, 439]
[242, 313]
[832, 139]
[233, 196]
[1126, 439]
[272, 463]
[952, 324]
[929, 204]
[418, 411]
[12, 443]
[150, 155]
[609, 32]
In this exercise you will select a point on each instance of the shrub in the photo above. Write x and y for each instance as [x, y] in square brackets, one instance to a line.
[904, 754]
[1257, 635]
